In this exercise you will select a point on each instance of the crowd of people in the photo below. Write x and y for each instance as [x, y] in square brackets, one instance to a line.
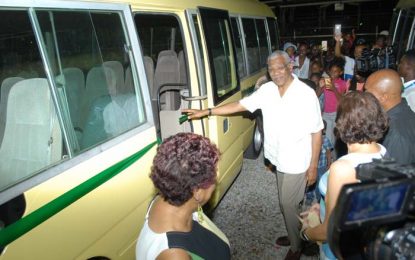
[313, 103]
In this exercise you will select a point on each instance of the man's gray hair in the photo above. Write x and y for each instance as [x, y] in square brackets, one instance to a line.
[278, 53]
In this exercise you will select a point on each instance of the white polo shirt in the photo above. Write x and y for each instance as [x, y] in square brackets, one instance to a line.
[288, 123]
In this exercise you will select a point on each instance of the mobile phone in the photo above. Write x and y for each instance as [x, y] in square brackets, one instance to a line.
[324, 45]
[338, 29]
[327, 82]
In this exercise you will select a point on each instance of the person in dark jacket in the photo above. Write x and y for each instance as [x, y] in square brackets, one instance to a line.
[399, 140]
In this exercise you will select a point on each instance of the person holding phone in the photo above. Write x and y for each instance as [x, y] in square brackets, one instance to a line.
[333, 88]
[342, 50]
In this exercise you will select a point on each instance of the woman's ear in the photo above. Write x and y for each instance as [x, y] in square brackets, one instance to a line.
[197, 194]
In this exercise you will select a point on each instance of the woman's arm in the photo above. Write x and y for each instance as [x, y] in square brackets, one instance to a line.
[341, 173]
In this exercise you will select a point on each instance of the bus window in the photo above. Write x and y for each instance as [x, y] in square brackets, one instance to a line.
[273, 33]
[237, 37]
[222, 59]
[403, 22]
[162, 41]
[92, 73]
[200, 58]
[262, 41]
[30, 135]
[163, 47]
[251, 41]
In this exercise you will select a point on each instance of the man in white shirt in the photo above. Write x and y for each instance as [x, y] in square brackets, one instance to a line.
[292, 133]
[406, 70]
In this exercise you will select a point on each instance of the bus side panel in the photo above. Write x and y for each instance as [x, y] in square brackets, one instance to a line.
[105, 222]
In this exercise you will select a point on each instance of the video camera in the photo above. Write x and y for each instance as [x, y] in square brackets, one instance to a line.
[374, 219]
[376, 59]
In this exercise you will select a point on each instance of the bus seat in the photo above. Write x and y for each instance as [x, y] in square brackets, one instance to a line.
[110, 116]
[100, 81]
[118, 69]
[220, 71]
[167, 71]
[32, 136]
[121, 115]
[182, 67]
[128, 80]
[6, 85]
[75, 90]
[93, 131]
[149, 68]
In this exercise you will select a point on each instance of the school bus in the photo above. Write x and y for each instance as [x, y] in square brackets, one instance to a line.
[402, 27]
[87, 90]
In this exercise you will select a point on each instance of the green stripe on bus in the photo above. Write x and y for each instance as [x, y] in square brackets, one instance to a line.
[27, 223]
[194, 256]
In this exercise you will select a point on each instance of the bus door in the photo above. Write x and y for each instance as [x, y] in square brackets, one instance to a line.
[224, 87]
[164, 50]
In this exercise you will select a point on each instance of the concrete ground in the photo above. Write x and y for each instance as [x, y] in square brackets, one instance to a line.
[250, 216]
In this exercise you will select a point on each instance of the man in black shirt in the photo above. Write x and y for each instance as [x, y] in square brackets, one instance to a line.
[399, 141]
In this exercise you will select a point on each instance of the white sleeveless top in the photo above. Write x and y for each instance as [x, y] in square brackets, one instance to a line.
[150, 244]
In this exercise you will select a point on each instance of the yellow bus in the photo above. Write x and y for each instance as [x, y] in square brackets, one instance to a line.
[87, 89]
[402, 27]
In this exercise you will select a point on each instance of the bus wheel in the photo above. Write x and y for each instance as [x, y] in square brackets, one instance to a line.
[254, 149]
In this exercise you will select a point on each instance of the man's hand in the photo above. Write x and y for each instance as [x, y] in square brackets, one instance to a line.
[311, 175]
[195, 113]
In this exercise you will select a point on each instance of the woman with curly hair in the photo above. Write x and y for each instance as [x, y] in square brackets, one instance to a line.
[360, 123]
[184, 173]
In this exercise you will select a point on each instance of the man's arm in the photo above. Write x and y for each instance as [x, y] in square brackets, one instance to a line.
[223, 110]
[311, 173]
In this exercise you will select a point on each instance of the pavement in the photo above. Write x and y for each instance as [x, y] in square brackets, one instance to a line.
[250, 216]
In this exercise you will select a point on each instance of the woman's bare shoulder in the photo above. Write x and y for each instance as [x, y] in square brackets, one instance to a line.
[173, 254]
[342, 171]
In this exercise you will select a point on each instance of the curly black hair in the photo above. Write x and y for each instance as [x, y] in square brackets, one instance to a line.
[184, 162]
[360, 118]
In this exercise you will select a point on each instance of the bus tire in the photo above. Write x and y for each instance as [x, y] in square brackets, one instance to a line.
[254, 149]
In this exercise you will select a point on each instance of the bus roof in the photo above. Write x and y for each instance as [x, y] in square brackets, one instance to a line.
[245, 7]
[405, 4]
